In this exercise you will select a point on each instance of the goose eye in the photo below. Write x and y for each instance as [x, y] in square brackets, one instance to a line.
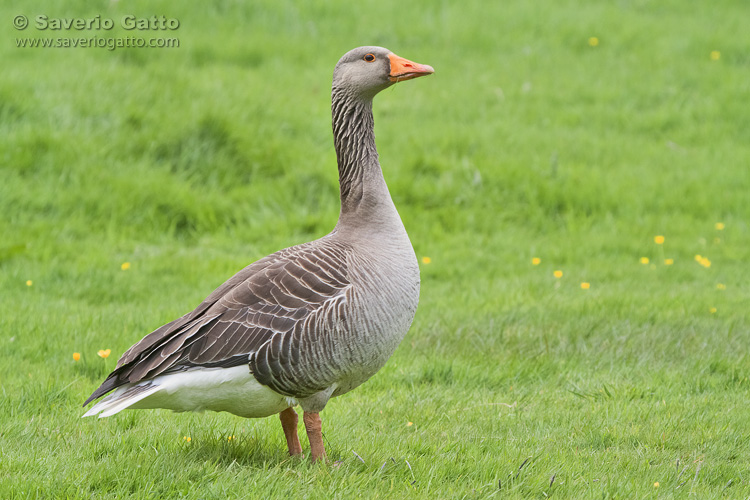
[369, 58]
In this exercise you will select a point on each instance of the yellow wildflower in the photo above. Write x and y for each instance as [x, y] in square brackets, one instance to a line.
[104, 353]
[76, 356]
[186, 438]
[125, 266]
[585, 285]
[659, 240]
[426, 260]
[558, 274]
[704, 262]
[712, 310]
[535, 261]
[721, 286]
[719, 226]
[656, 485]
[668, 262]
[593, 41]
[715, 55]
[644, 260]
[409, 424]
[698, 257]
[29, 282]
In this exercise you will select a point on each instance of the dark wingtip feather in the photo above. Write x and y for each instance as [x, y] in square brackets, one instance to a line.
[103, 389]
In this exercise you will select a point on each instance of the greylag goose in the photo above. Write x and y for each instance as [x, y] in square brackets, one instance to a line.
[306, 323]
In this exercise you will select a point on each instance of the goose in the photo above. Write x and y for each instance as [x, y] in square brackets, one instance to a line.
[304, 324]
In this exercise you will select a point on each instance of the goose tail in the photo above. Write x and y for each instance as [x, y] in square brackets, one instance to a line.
[122, 399]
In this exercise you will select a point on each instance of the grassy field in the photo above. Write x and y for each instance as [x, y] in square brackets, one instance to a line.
[571, 132]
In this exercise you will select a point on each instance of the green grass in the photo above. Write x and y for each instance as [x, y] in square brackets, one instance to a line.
[190, 163]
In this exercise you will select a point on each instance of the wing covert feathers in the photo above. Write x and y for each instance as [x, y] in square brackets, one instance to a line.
[269, 310]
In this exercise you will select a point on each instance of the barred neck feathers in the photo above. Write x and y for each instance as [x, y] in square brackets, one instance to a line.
[354, 140]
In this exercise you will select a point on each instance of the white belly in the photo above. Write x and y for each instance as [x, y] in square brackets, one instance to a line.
[233, 390]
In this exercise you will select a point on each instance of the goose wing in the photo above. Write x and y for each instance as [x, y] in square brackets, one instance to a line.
[270, 306]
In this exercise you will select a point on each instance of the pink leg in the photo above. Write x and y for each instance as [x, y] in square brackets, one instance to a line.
[289, 421]
[314, 428]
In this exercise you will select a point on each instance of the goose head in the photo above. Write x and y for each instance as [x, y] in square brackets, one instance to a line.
[365, 71]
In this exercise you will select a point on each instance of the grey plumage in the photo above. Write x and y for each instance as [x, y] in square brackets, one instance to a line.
[311, 321]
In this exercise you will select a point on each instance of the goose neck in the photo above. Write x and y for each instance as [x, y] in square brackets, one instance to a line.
[360, 177]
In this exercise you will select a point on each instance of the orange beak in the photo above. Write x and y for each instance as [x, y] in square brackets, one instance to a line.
[403, 69]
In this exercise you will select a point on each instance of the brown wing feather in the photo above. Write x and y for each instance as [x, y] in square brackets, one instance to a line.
[267, 299]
